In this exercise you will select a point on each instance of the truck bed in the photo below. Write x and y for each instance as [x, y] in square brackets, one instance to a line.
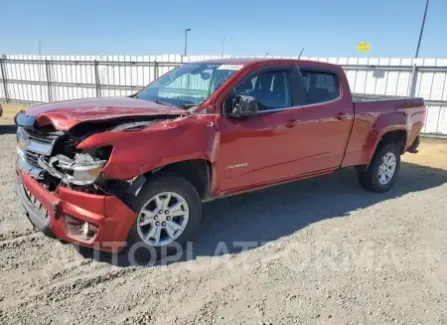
[376, 115]
[387, 98]
[383, 103]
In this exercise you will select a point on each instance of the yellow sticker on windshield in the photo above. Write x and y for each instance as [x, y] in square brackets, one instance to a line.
[233, 67]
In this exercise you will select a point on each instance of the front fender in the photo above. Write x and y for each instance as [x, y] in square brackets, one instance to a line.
[137, 152]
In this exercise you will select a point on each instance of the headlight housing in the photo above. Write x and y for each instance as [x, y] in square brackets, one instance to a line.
[83, 169]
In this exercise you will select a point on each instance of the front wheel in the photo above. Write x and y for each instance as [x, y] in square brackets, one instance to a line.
[383, 169]
[169, 212]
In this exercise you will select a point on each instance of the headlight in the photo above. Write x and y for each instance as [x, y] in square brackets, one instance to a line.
[83, 169]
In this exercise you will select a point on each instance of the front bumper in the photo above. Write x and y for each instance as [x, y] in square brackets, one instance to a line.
[108, 215]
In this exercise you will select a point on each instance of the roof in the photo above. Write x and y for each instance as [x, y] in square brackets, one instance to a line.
[269, 60]
[236, 60]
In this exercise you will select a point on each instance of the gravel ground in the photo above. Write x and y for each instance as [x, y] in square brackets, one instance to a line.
[322, 251]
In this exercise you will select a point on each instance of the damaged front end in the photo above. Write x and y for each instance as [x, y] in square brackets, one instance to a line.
[52, 158]
[62, 187]
[79, 168]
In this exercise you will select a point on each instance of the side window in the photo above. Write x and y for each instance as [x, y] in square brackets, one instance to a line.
[320, 86]
[270, 88]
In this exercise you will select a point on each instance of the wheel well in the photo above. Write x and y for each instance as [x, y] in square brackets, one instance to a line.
[196, 171]
[398, 136]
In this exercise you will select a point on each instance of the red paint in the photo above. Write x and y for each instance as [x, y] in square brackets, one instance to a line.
[274, 148]
[137, 152]
[65, 115]
[113, 218]
[375, 118]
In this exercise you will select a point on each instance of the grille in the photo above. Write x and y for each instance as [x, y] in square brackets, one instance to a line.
[40, 137]
[31, 158]
[43, 138]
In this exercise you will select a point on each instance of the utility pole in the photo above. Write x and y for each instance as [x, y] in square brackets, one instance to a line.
[422, 28]
[186, 41]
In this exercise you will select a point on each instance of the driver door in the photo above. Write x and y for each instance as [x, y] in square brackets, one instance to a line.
[259, 149]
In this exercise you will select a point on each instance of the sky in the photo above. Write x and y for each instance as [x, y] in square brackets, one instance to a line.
[325, 28]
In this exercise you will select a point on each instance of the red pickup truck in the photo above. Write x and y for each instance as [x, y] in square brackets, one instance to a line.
[109, 173]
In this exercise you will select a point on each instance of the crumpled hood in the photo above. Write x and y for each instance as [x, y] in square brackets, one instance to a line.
[66, 114]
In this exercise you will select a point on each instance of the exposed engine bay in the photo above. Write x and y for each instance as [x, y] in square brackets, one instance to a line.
[83, 169]
[51, 156]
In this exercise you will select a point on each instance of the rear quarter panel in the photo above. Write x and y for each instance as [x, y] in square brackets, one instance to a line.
[373, 119]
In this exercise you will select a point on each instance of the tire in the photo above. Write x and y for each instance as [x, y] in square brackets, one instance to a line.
[158, 185]
[372, 179]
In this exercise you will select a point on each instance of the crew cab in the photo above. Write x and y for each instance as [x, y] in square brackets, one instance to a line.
[110, 173]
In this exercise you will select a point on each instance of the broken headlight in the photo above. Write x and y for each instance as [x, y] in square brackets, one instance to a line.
[83, 169]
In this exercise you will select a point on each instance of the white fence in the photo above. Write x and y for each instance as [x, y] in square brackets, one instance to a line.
[32, 78]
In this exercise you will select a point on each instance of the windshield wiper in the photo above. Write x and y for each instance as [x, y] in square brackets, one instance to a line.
[188, 106]
[159, 102]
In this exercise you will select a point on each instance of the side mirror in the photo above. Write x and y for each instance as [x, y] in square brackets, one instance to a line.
[243, 106]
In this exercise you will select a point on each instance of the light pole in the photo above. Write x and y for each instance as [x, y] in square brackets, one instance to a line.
[422, 28]
[186, 41]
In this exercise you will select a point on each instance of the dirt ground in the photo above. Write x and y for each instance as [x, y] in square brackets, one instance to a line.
[9, 111]
[320, 251]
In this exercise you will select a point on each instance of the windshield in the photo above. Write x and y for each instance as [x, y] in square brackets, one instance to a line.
[188, 85]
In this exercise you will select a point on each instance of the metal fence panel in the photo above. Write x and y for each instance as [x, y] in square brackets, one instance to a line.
[32, 78]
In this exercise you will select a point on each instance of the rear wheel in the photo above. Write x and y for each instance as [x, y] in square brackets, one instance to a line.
[383, 169]
[169, 212]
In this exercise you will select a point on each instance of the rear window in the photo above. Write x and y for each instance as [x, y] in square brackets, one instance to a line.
[320, 86]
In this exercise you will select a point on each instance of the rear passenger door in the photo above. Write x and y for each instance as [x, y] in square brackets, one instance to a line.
[325, 120]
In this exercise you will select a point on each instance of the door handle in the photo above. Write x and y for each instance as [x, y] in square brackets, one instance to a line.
[290, 123]
[341, 116]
